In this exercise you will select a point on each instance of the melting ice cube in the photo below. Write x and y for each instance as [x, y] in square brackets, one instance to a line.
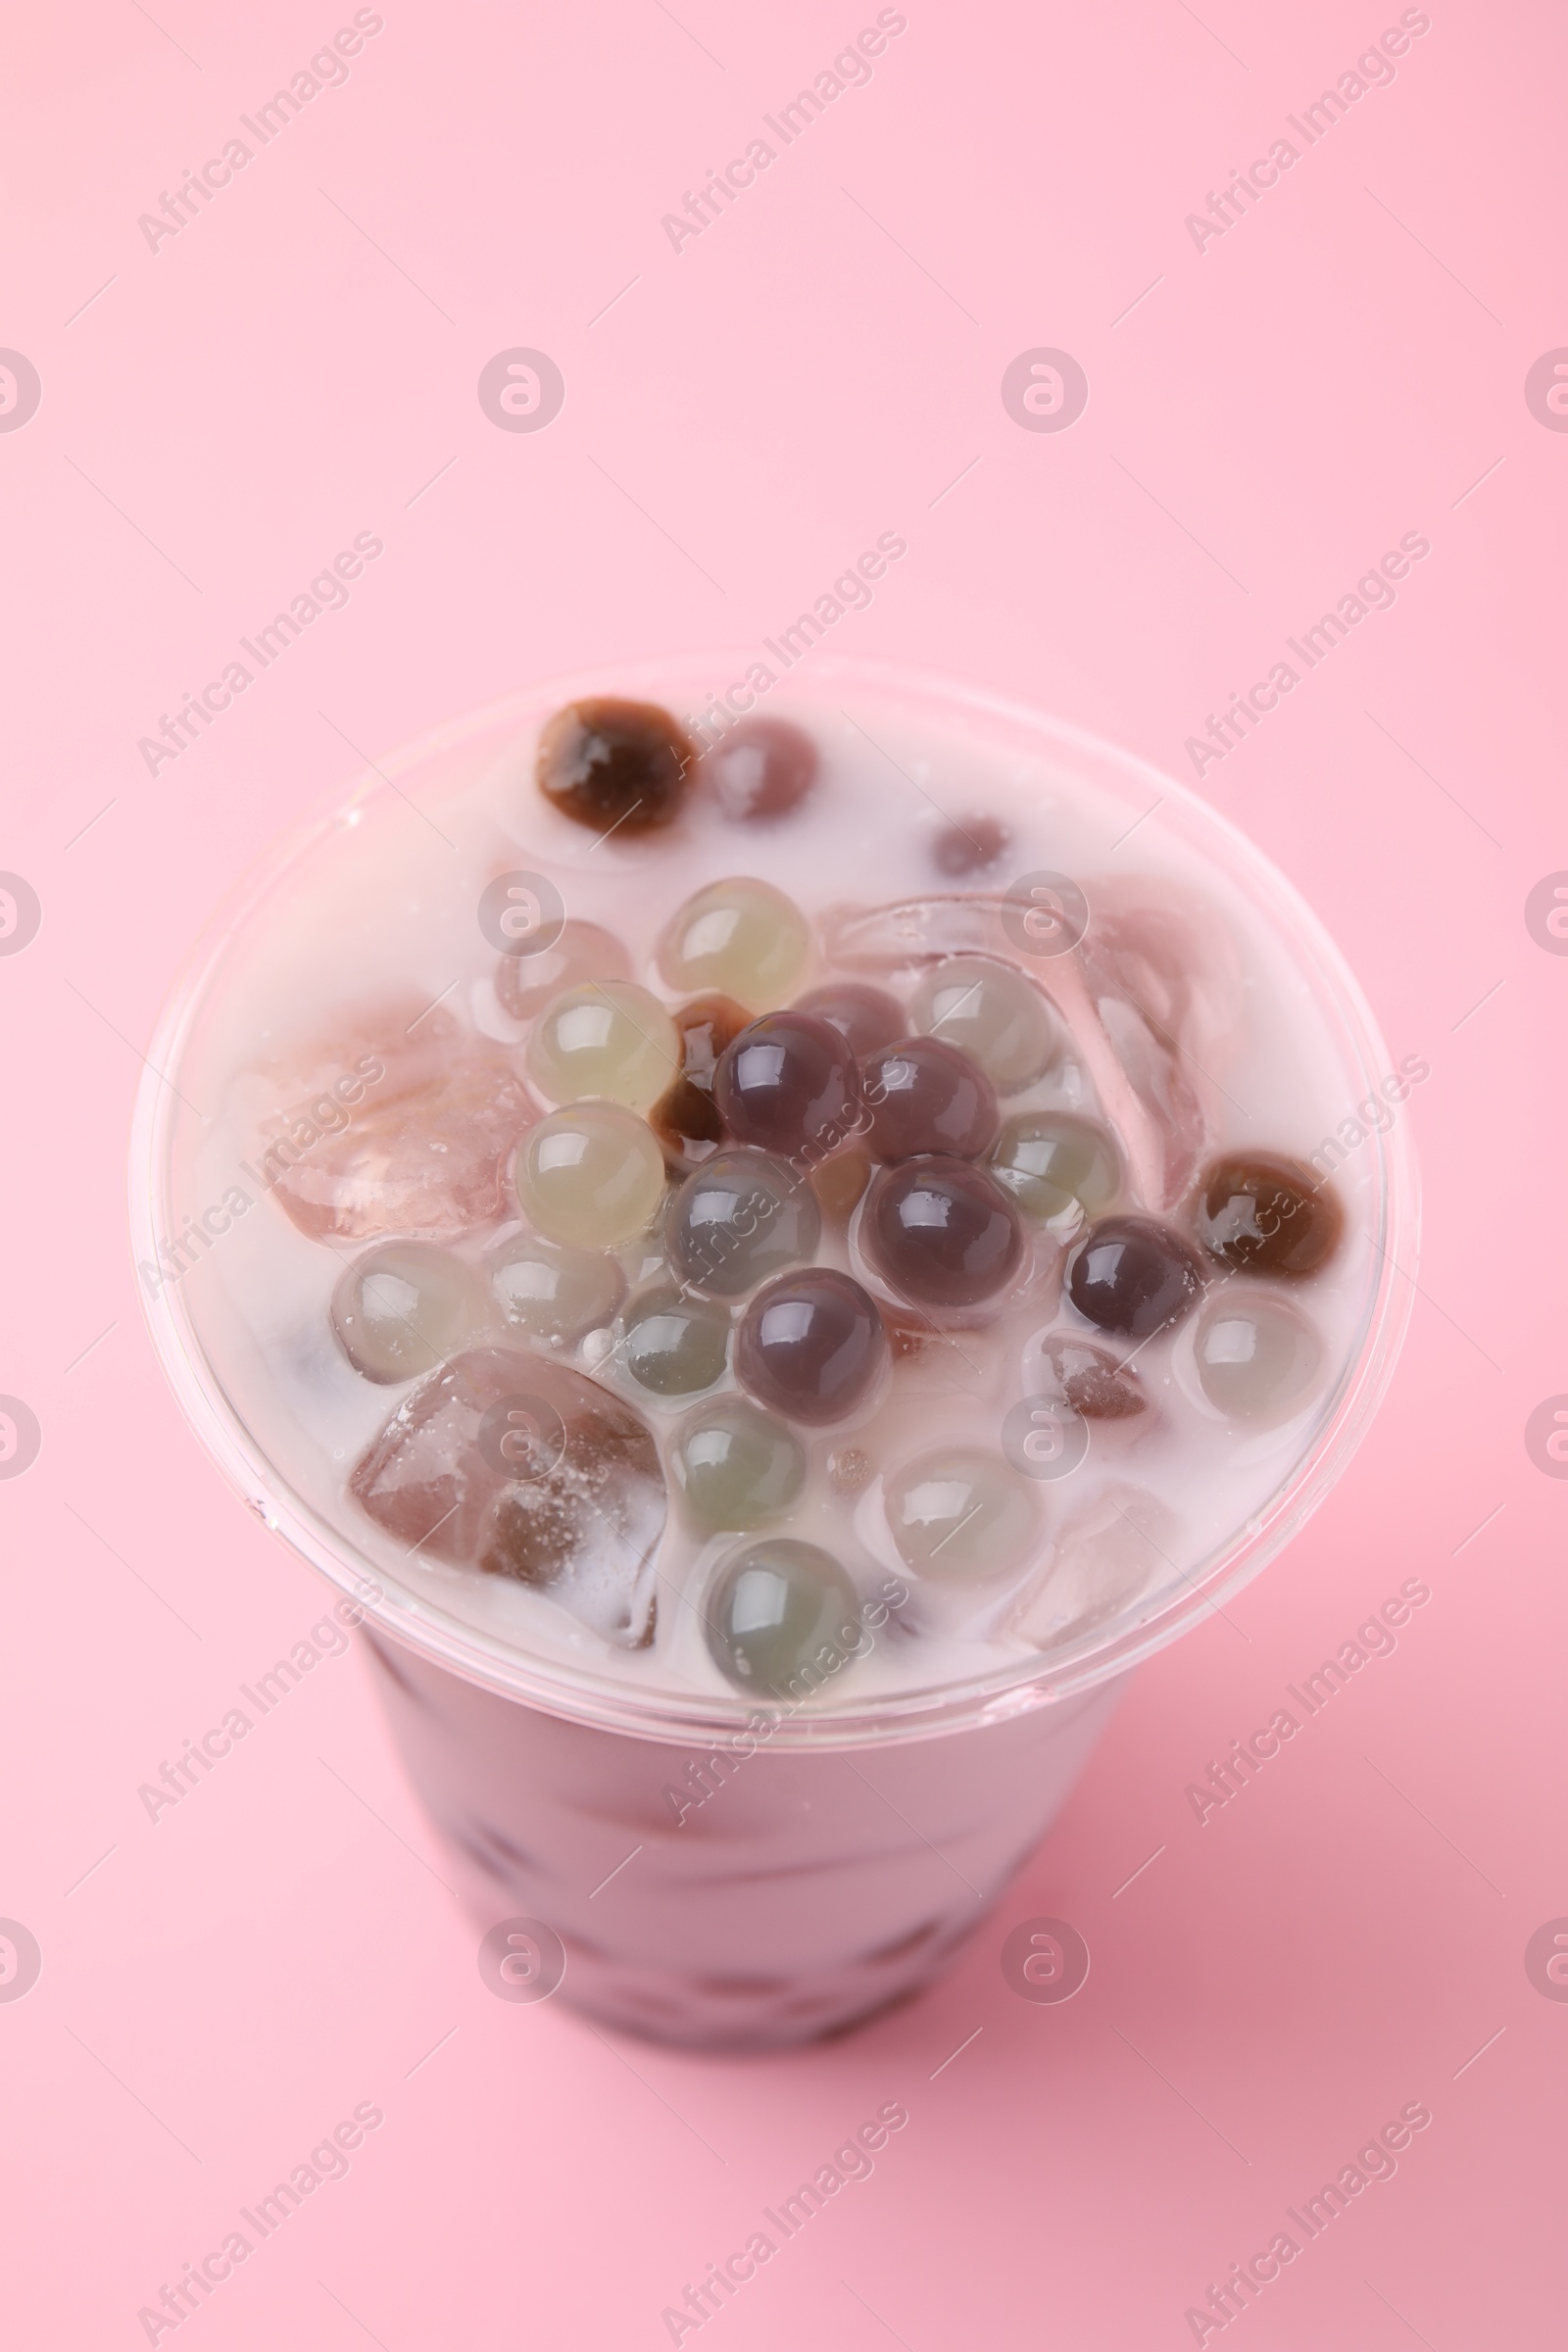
[1119, 1545]
[514, 1462]
[394, 1126]
[1151, 995]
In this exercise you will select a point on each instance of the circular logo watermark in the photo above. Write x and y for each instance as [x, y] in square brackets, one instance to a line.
[20, 1436]
[1043, 1438]
[1545, 914]
[1545, 1436]
[19, 914]
[522, 914]
[19, 1960]
[522, 1437]
[1545, 390]
[521, 390]
[1045, 914]
[1045, 390]
[20, 390]
[1044, 1960]
[522, 1960]
[1547, 1959]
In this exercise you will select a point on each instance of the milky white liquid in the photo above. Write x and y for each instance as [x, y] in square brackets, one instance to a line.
[386, 910]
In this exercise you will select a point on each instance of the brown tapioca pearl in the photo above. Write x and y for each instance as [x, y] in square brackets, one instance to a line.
[762, 769]
[1261, 1213]
[685, 1118]
[608, 763]
[706, 1025]
[686, 1121]
[968, 846]
[839, 1182]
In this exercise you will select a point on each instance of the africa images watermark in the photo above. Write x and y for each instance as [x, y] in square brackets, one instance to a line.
[324, 1114]
[851, 592]
[707, 1775]
[1373, 593]
[326, 1639]
[327, 70]
[1228, 2303]
[850, 70]
[328, 2161]
[1375, 1115]
[1375, 1638]
[1373, 70]
[327, 593]
[851, 2162]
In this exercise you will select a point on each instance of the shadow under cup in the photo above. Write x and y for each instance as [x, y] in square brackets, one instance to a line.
[681, 1867]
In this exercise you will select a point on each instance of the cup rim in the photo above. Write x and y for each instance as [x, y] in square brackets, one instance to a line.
[696, 1717]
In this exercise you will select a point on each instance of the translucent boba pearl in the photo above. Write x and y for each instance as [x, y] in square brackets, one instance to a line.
[810, 1346]
[762, 769]
[867, 1016]
[614, 765]
[736, 1467]
[525, 984]
[403, 1309]
[960, 1515]
[743, 1216]
[552, 1292]
[788, 1083]
[940, 1233]
[926, 1095]
[1048, 1160]
[606, 1038]
[1133, 1276]
[742, 937]
[1257, 1358]
[997, 1017]
[674, 1345]
[779, 1616]
[592, 1176]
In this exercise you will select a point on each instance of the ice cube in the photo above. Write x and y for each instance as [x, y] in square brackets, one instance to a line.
[368, 1053]
[515, 1463]
[1116, 1548]
[387, 1128]
[1151, 997]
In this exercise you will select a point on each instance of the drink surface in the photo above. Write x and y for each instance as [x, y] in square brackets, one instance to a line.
[863, 1211]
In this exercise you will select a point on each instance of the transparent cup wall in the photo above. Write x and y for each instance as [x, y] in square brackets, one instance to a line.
[686, 1864]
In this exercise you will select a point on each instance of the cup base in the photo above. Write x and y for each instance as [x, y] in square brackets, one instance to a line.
[733, 1899]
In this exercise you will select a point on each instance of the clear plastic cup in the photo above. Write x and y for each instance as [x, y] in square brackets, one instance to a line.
[679, 1864]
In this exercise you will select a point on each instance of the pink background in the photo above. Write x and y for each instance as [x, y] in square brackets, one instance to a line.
[1344, 364]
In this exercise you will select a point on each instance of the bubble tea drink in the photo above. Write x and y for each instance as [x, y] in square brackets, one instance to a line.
[775, 1255]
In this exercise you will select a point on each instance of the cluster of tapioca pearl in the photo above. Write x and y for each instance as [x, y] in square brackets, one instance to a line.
[735, 1095]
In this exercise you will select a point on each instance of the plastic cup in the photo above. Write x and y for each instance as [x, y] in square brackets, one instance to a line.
[671, 1863]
